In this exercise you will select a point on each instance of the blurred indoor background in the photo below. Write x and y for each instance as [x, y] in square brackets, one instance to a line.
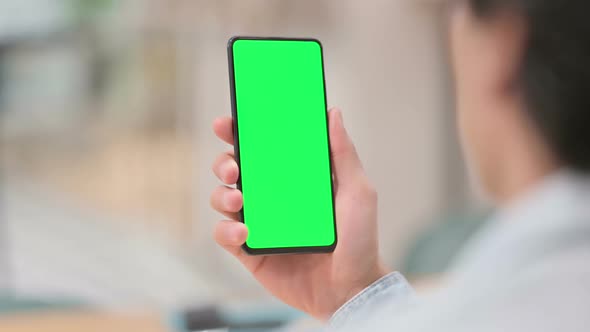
[106, 146]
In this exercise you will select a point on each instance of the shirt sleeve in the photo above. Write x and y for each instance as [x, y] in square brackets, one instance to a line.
[392, 289]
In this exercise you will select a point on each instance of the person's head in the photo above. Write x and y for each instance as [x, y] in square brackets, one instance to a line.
[522, 68]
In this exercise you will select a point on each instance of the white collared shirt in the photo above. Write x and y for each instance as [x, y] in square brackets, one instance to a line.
[527, 270]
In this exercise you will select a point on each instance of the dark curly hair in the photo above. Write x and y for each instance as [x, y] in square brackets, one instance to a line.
[555, 71]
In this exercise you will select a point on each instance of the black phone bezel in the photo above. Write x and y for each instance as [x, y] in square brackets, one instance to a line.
[286, 250]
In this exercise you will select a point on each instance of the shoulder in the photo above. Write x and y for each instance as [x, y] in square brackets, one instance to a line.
[549, 295]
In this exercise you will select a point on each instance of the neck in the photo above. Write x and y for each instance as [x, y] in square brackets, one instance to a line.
[523, 180]
[524, 166]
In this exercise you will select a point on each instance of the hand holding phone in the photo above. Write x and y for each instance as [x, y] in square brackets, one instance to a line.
[315, 283]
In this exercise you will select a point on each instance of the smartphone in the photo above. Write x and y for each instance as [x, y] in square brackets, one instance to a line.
[282, 144]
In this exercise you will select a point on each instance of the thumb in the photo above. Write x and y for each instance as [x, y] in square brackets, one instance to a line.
[347, 165]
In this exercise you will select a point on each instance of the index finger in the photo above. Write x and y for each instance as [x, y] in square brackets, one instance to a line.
[223, 128]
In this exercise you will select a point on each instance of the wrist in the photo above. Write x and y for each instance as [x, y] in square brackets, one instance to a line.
[376, 274]
[379, 272]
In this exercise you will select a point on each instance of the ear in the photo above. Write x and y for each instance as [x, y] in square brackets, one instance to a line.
[501, 43]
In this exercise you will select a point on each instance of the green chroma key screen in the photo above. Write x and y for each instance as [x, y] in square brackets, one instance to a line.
[283, 146]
